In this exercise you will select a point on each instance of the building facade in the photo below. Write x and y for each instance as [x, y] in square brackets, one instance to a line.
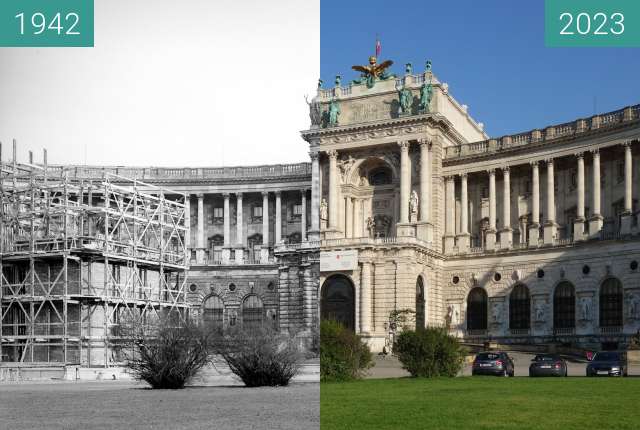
[526, 238]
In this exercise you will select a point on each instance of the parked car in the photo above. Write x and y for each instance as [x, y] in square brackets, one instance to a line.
[608, 363]
[493, 363]
[548, 365]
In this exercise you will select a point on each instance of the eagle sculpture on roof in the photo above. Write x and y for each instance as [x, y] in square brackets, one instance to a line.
[373, 71]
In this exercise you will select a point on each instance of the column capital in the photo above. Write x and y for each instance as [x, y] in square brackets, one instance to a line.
[549, 161]
[226, 195]
[265, 193]
[579, 155]
[449, 178]
[595, 152]
[314, 155]
[332, 154]
[626, 144]
[304, 192]
[404, 145]
[534, 164]
[505, 169]
[463, 175]
[425, 143]
[200, 196]
[491, 172]
[278, 193]
[239, 194]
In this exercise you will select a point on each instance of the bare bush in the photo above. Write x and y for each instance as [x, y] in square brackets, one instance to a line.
[167, 353]
[262, 356]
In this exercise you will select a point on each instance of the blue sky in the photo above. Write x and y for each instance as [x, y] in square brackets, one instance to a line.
[491, 53]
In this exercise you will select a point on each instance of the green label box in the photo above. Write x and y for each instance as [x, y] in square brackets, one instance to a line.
[592, 23]
[46, 23]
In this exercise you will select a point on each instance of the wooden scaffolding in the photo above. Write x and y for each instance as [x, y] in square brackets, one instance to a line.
[79, 257]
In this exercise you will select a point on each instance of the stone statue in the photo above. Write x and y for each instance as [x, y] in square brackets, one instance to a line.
[315, 112]
[427, 66]
[539, 310]
[585, 308]
[334, 113]
[320, 82]
[338, 80]
[405, 100]
[373, 71]
[323, 210]
[633, 304]
[426, 92]
[408, 68]
[453, 315]
[371, 227]
[413, 203]
[496, 312]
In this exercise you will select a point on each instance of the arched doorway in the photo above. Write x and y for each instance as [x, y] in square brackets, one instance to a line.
[338, 301]
[520, 308]
[611, 303]
[420, 304]
[213, 312]
[477, 309]
[564, 306]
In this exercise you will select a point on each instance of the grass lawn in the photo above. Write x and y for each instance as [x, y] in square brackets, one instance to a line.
[482, 403]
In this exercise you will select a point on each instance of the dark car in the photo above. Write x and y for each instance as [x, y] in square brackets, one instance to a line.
[493, 363]
[608, 363]
[547, 365]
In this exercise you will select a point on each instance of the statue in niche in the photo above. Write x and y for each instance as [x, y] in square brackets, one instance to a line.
[585, 308]
[426, 92]
[324, 213]
[633, 304]
[334, 113]
[405, 99]
[496, 312]
[539, 310]
[315, 112]
[381, 225]
[453, 315]
[413, 205]
[371, 227]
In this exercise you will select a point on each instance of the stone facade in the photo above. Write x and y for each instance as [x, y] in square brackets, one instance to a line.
[528, 238]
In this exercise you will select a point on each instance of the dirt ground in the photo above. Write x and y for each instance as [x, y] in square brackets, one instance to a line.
[127, 405]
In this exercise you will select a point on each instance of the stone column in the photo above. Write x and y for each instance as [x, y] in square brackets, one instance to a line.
[348, 209]
[578, 223]
[187, 223]
[357, 230]
[264, 250]
[625, 220]
[450, 212]
[226, 251]
[314, 233]
[333, 189]
[278, 218]
[303, 216]
[534, 229]
[550, 226]
[596, 219]
[490, 240]
[464, 237]
[239, 235]
[506, 234]
[405, 182]
[425, 229]
[200, 234]
[365, 298]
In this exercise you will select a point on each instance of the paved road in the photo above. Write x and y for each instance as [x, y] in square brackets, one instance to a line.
[390, 367]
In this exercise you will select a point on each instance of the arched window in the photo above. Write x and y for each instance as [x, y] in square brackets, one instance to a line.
[252, 311]
[213, 312]
[420, 304]
[564, 306]
[477, 309]
[337, 301]
[611, 303]
[519, 308]
[380, 176]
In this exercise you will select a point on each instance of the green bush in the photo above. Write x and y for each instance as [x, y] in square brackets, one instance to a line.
[343, 354]
[429, 352]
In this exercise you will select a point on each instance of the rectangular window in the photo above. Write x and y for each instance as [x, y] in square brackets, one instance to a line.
[218, 214]
[257, 211]
[297, 210]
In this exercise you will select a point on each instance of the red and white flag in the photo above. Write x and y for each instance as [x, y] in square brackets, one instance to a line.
[378, 47]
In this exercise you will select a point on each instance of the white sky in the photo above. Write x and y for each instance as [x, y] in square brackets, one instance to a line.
[169, 83]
